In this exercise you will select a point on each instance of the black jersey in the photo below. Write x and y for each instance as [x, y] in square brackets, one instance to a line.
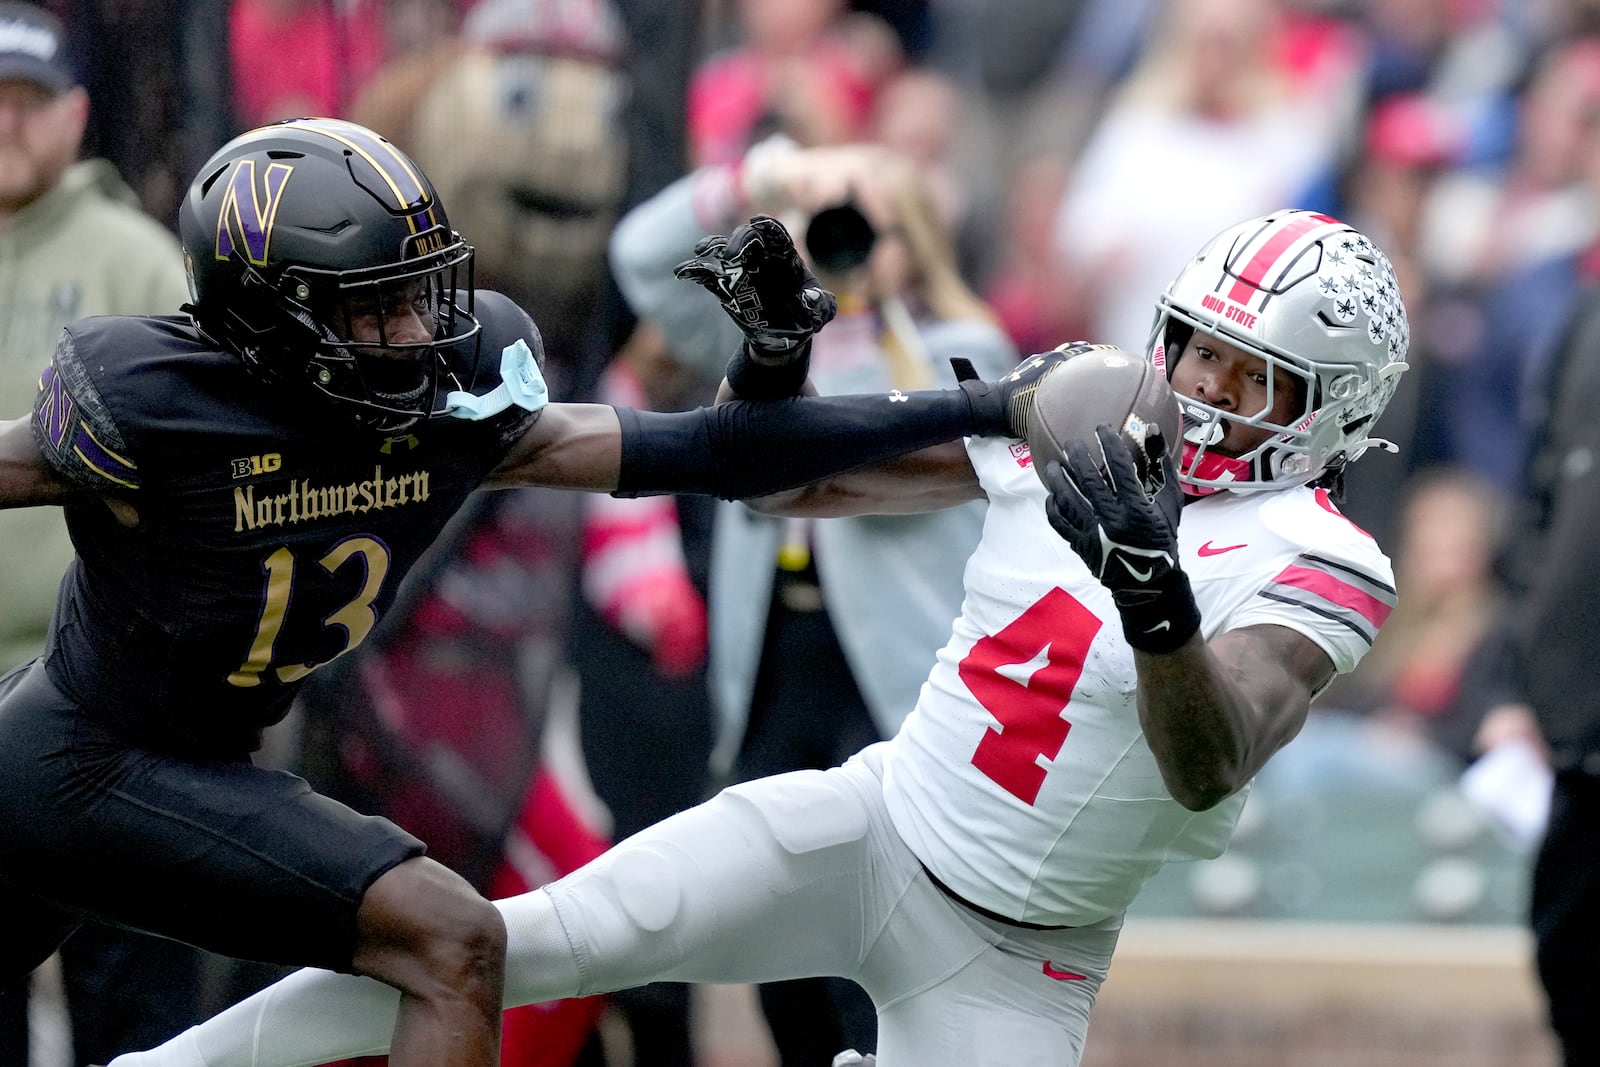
[272, 531]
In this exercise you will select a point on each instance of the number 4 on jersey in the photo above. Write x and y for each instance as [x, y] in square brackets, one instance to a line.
[1029, 713]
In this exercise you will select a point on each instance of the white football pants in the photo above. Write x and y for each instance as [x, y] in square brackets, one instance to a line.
[791, 876]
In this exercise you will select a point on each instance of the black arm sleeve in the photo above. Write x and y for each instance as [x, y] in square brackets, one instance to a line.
[743, 449]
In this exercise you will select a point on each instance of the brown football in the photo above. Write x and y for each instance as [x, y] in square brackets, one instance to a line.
[1103, 385]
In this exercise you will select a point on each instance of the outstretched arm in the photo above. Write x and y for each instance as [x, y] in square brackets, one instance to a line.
[744, 449]
[26, 480]
[929, 479]
[739, 449]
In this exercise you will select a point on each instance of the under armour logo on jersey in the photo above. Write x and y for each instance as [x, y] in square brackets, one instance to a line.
[408, 439]
[897, 397]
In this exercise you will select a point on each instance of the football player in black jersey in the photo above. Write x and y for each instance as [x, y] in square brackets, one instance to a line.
[247, 483]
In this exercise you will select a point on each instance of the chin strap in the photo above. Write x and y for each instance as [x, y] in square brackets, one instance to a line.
[1356, 448]
[521, 383]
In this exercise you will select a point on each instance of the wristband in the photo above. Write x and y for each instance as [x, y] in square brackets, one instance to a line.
[990, 415]
[775, 377]
[1160, 619]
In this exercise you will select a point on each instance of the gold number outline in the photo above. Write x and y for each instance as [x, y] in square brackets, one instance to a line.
[356, 618]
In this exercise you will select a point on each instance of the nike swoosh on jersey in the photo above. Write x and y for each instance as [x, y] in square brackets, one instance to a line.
[1207, 549]
[1063, 976]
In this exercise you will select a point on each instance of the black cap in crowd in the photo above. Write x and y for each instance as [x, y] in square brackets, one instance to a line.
[33, 48]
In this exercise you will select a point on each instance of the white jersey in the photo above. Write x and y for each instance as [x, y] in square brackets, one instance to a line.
[1022, 780]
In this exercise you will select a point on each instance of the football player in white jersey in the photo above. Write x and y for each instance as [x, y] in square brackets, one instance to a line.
[1104, 700]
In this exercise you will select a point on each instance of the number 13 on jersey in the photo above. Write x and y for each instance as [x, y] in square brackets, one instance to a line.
[1029, 711]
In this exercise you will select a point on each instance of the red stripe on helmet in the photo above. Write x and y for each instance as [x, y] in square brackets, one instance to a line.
[1262, 262]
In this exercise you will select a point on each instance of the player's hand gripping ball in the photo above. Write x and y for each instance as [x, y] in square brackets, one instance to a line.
[1105, 435]
[1005, 407]
[1103, 384]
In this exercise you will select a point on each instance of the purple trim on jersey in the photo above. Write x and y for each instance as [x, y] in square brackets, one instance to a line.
[1334, 591]
[102, 459]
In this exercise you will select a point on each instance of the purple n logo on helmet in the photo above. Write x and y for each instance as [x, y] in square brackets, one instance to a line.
[250, 227]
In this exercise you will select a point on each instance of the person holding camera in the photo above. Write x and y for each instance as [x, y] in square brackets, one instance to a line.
[822, 631]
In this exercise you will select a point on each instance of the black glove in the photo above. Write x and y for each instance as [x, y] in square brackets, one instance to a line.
[1125, 528]
[766, 289]
[1001, 408]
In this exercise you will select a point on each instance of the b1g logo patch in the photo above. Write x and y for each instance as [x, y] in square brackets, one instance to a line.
[250, 466]
[1022, 454]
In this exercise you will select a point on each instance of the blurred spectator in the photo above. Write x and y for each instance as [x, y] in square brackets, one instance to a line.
[1468, 53]
[519, 120]
[73, 242]
[298, 58]
[1034, 75]
[802, 68]
[1536, 674]
[1539, 676]
[822, 632]
[1036, 295]
[160, 96]
[917, 113]
[1450, 534]
[439, 722]
[1215, 124]
[1410, 141]
[524, 130]
[1503, 246]
[521, 129]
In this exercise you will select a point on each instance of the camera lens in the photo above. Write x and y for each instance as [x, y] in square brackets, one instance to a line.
[839, 238]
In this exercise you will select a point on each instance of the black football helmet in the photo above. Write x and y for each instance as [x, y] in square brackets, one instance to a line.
[293, 231]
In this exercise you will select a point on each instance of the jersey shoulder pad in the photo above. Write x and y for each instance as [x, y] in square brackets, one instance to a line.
[1338, 572]
[74, 427]
[1308, 517]
[503, 323]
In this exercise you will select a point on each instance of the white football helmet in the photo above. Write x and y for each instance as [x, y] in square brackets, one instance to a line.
[1309, 295]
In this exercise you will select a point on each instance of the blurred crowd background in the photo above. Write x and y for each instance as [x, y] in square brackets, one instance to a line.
[1075, 153]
